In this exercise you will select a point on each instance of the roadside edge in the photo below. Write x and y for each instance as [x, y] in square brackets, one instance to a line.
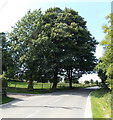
[88, 110]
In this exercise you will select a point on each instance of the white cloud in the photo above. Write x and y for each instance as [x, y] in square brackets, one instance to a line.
[13, 10]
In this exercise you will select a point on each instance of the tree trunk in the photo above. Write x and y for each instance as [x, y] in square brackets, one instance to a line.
[69, 73]
[4, 92]
[55, 79]
[54, 85]
[70, 83]
[104, 85]
[30, 84]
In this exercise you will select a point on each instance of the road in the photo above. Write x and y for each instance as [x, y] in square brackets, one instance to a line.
[68, 104]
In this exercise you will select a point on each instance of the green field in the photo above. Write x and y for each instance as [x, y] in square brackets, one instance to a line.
[101, 103]
[41, 88]
[44, 85]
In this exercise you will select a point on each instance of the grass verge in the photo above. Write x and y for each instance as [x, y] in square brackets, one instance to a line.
[101, 103]
[6, 100]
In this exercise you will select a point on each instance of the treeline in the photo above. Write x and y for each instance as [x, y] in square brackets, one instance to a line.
[47, 46]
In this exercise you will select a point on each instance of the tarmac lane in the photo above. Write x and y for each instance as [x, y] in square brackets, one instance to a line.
[66, 104]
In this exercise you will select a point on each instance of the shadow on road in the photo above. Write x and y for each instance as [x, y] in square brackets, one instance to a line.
[82, 92]
[45, 106]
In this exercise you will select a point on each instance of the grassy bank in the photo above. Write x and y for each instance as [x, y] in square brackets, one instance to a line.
[6, 100]
[101, 103]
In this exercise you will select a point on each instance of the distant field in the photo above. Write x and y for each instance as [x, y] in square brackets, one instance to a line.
[101, 103]
[40, 88]
[43, 85]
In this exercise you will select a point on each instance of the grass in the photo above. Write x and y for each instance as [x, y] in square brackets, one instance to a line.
[6, 100]
[101, 103]
[40, 88]
[37, 91]
[43, 85]
[25, 90]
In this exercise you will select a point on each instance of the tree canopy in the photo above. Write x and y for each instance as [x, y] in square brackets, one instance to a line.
[47, 45]
[106, 61]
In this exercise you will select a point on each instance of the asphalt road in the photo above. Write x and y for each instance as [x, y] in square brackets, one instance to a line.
[68, 104]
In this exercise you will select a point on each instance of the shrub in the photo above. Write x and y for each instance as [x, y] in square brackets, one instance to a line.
[96, 82]
[86, 82]
[3, 81]
[91, 81]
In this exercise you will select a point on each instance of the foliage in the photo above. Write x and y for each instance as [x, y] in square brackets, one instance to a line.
[3, 80]
[7, 62]
[106, 61]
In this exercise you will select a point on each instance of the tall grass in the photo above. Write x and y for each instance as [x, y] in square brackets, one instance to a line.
[101, 103]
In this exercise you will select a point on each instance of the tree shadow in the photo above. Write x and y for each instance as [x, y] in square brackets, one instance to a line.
[43, 106]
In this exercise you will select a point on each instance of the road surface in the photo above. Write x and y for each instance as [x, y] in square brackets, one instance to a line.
[68, 104]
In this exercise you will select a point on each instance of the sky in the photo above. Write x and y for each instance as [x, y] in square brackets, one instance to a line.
[93, 11]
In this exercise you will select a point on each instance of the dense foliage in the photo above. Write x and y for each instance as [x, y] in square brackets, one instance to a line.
[105, 66]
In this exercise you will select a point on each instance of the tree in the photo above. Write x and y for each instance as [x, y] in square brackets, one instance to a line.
[96, 82]
[103, 77]
[105, 65]
[47, 45]
[78, 45]
[86, 82]
[54, 33]
[73, 46]
[91, 81]
[24, 39]
[7, 62]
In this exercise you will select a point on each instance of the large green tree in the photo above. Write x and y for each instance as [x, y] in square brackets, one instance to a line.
[72, 46]
[79, 51]
[46, 45]
[24, 38]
